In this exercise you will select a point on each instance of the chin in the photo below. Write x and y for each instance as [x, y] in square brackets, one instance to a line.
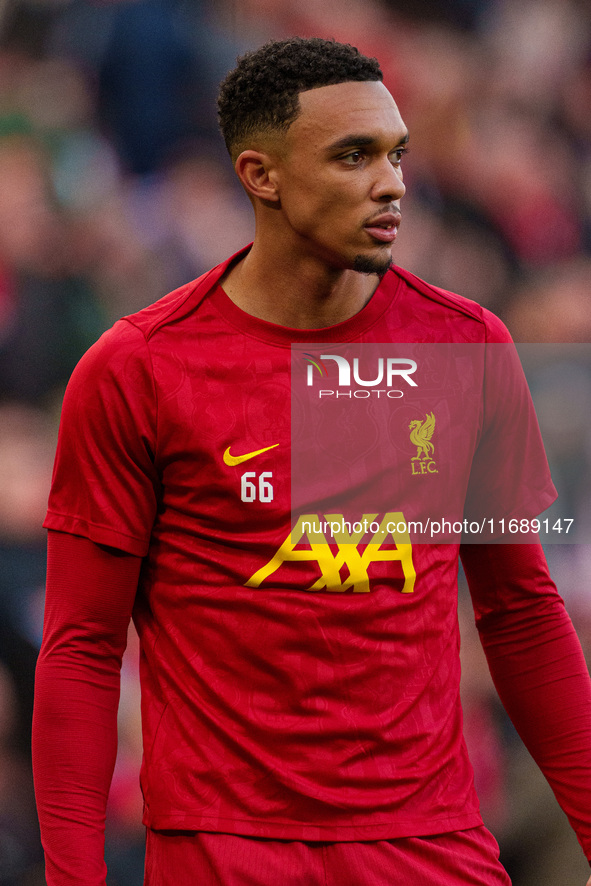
[366, 264]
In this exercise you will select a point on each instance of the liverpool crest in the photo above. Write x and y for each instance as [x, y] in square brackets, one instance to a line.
[421, 433]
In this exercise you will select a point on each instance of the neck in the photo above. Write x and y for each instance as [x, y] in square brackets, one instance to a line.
[301, 293]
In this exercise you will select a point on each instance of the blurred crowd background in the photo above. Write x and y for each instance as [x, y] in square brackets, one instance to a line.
[115, 188]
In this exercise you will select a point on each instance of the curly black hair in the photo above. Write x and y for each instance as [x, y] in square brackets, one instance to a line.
[261, 93]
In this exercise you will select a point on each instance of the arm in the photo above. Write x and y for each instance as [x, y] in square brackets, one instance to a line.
[90, 595]
[538, 668]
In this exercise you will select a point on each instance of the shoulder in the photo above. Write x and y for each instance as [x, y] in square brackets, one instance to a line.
[181, 303]
[113, 354]
[492, 328]
[127, 343]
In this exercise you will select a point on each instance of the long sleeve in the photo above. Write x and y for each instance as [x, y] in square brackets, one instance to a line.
[89, 599]
[538, 668]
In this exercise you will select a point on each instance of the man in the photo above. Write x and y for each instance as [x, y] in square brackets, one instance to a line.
[296, 731]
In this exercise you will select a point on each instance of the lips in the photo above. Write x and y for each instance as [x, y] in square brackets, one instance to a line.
[384, 227]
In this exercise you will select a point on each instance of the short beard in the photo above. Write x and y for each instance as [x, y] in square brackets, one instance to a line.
[363, 264]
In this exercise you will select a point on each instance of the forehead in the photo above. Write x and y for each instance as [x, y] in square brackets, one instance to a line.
[330, 114]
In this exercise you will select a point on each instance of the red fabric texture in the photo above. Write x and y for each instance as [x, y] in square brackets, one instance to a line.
[460, 858]
[533, 652]
[538, 667]
[345, 724]
[90, 594]
[279, 699]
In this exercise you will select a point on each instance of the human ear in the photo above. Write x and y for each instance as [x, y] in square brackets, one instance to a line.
[255, 171]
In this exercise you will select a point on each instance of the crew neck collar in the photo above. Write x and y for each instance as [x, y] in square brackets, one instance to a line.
[273, 333]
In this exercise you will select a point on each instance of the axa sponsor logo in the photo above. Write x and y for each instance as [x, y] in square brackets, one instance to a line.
[340, 553]
[390, 376]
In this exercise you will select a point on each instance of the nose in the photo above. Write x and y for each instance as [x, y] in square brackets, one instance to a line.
[388, 185]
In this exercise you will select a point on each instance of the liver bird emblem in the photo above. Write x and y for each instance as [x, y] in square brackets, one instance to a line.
[420, 434]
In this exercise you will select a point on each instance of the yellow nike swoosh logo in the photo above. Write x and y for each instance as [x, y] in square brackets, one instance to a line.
[232, 460]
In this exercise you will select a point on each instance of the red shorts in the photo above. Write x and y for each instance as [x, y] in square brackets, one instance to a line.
[462, 858]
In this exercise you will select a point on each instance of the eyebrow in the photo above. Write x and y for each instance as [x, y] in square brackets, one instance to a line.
[360, 141]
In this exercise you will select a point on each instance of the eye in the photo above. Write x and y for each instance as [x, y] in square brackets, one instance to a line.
[396, 155]
[353, 158]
